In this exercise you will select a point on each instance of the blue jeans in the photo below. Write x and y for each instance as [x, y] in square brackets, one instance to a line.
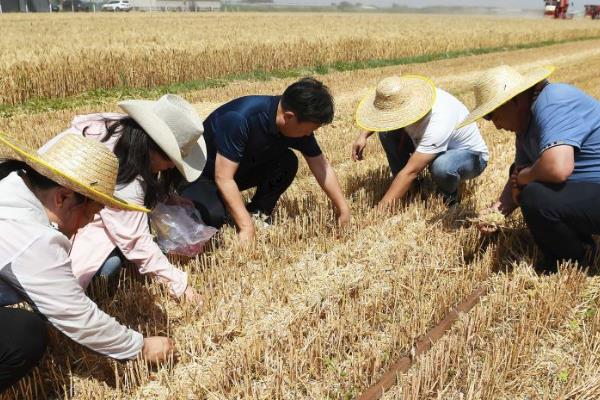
[111, 267]
[447, 170]
[452, 166]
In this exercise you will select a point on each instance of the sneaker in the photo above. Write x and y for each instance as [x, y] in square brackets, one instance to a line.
[261, 220]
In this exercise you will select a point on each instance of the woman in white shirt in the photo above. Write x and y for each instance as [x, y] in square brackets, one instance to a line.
[416, 123]
[45, 199]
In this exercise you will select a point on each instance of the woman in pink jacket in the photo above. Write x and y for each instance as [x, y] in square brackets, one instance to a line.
[150, 141]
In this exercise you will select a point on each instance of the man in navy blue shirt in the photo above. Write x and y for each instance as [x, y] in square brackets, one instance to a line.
[249, 142]
[556, 175]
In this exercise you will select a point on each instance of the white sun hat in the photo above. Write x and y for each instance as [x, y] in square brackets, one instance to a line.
[395, 103]
[175, 127]
[498, 85]
[77, 163]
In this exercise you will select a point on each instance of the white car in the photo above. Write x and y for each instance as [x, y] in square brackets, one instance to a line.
[117, 5]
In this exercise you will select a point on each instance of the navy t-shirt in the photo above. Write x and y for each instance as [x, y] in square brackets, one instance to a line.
[244, 131]
[564, 115]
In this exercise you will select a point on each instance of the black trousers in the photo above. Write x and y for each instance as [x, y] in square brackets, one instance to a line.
[271, 179]
[562, 219]
[23, 341]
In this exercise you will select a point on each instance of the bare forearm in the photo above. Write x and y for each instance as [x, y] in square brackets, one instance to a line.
[555, 165]
[367, 134]
[400, 185]
[505, 203]
[542, 172]
[331, 186]
[234, 202]
[327, 179]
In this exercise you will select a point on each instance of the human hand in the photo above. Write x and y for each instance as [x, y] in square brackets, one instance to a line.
[522, 177]
[246, 235]
[191, 296]
[385, 204]
[343, 219]
[487, 220]
[157, 349]
[358, 147]
[515, 193]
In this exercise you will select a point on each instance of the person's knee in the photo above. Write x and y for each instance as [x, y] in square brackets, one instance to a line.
[29, 344]
[532, 198]
[111, 267]
[439, 169]
[205, 196]
[444, 174]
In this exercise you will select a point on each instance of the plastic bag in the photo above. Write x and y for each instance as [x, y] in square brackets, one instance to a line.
[179, 229]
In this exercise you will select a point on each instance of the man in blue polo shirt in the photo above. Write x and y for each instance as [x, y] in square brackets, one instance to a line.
[249, 142]
[556, 175]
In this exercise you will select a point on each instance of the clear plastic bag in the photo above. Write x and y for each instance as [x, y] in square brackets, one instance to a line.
[179, 229]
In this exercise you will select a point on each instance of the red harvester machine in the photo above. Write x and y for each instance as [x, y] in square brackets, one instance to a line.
[556, 8]
[592, 11]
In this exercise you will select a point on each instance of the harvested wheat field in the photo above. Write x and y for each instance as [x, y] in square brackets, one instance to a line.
[313, 313]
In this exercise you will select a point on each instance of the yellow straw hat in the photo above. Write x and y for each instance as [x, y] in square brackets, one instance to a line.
[396, 102]
[82, 165]
[498, 85]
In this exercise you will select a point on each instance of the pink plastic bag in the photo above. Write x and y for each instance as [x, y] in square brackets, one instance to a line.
[179, 229]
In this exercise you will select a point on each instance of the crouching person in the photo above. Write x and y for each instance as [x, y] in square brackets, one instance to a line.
[45, 199]
[556, 174]
[249, 142]
[416, 125]
[158, 145]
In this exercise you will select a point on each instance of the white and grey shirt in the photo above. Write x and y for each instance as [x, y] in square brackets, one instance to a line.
[34, 261]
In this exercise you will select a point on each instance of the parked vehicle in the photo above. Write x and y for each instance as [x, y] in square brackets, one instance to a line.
[54, 7]
[117, 5]
[75, 5]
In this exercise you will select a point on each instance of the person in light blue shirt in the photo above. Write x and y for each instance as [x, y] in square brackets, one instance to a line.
[556, 175]
[564, 116]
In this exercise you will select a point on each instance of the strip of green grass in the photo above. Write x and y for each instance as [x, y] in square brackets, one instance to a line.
[103, 96]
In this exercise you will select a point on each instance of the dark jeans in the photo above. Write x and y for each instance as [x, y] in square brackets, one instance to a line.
[562, 219]
[23, 341]
[398, 148]
[271, 179]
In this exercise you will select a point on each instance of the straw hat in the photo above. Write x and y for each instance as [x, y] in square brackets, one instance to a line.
[82, 165]
[395, 103]
[175, 127]
[498, 85]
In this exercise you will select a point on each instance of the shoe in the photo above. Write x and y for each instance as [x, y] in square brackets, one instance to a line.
[261, 220]
[450, 199]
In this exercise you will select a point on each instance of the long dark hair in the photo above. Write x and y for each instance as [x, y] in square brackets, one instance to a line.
[133, 151]
[36, 179]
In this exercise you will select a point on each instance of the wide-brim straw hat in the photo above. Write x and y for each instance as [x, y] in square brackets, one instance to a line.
[77, 163]
[176, 128]
[496, 86]
[395, 103]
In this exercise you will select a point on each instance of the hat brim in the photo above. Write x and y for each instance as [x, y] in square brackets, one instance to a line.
[419, 104]
[193, 164]
[37, 162]
[531, 79]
